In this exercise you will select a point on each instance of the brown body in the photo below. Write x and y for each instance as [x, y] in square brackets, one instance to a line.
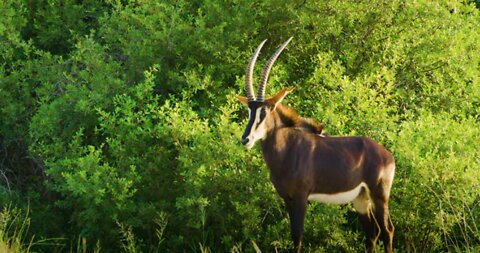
[301, 161]
[306, 165]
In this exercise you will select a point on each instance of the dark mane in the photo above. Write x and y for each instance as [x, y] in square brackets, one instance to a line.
[291, 119]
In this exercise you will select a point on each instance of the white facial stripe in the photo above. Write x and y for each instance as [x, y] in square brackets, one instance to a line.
[257, 130]
[257, 116]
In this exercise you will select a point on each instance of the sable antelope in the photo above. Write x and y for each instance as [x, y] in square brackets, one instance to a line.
[305, 166]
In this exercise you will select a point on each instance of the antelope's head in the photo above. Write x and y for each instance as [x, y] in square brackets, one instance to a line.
[260, 110]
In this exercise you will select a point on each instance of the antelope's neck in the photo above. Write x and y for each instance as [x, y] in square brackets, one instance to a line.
[275, 145]
[278, 122]
[274, 138]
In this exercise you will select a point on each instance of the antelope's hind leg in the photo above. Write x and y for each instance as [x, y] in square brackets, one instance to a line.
[363, 206]
[382, 214]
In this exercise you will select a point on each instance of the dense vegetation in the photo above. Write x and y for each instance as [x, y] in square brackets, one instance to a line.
[119, 129]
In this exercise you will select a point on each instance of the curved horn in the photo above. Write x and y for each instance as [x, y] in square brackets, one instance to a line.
[266, 71]
[249, 73]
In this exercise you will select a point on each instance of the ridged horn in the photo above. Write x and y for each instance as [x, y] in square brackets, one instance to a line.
[266, 71]
[249, 73]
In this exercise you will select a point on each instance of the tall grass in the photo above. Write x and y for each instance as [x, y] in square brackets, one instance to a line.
[13, 231]
[14, 225]
[130, 244]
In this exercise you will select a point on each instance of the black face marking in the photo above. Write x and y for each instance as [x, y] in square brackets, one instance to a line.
[251, 120]
[261, 117]
[263, 113]
[253, 106]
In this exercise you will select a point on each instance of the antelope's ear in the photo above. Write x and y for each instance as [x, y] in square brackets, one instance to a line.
[275, 100]
[242, 99]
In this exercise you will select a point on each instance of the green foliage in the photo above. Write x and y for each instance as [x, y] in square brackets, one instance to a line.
[439, 158]
[55, 25]
[14, 102]
[118, 123]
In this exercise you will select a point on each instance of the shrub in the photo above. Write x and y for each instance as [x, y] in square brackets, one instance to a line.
[116, 115]
[436, 181]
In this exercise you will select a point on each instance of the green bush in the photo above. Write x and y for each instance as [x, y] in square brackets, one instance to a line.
[119, 129]
[437, 172]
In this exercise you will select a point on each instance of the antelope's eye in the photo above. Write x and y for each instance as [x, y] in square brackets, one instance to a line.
[263, 113]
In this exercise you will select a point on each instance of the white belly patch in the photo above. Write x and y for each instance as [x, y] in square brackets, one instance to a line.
[337, 198]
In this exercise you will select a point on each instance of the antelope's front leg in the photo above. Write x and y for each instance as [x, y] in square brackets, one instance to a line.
[296, 208]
